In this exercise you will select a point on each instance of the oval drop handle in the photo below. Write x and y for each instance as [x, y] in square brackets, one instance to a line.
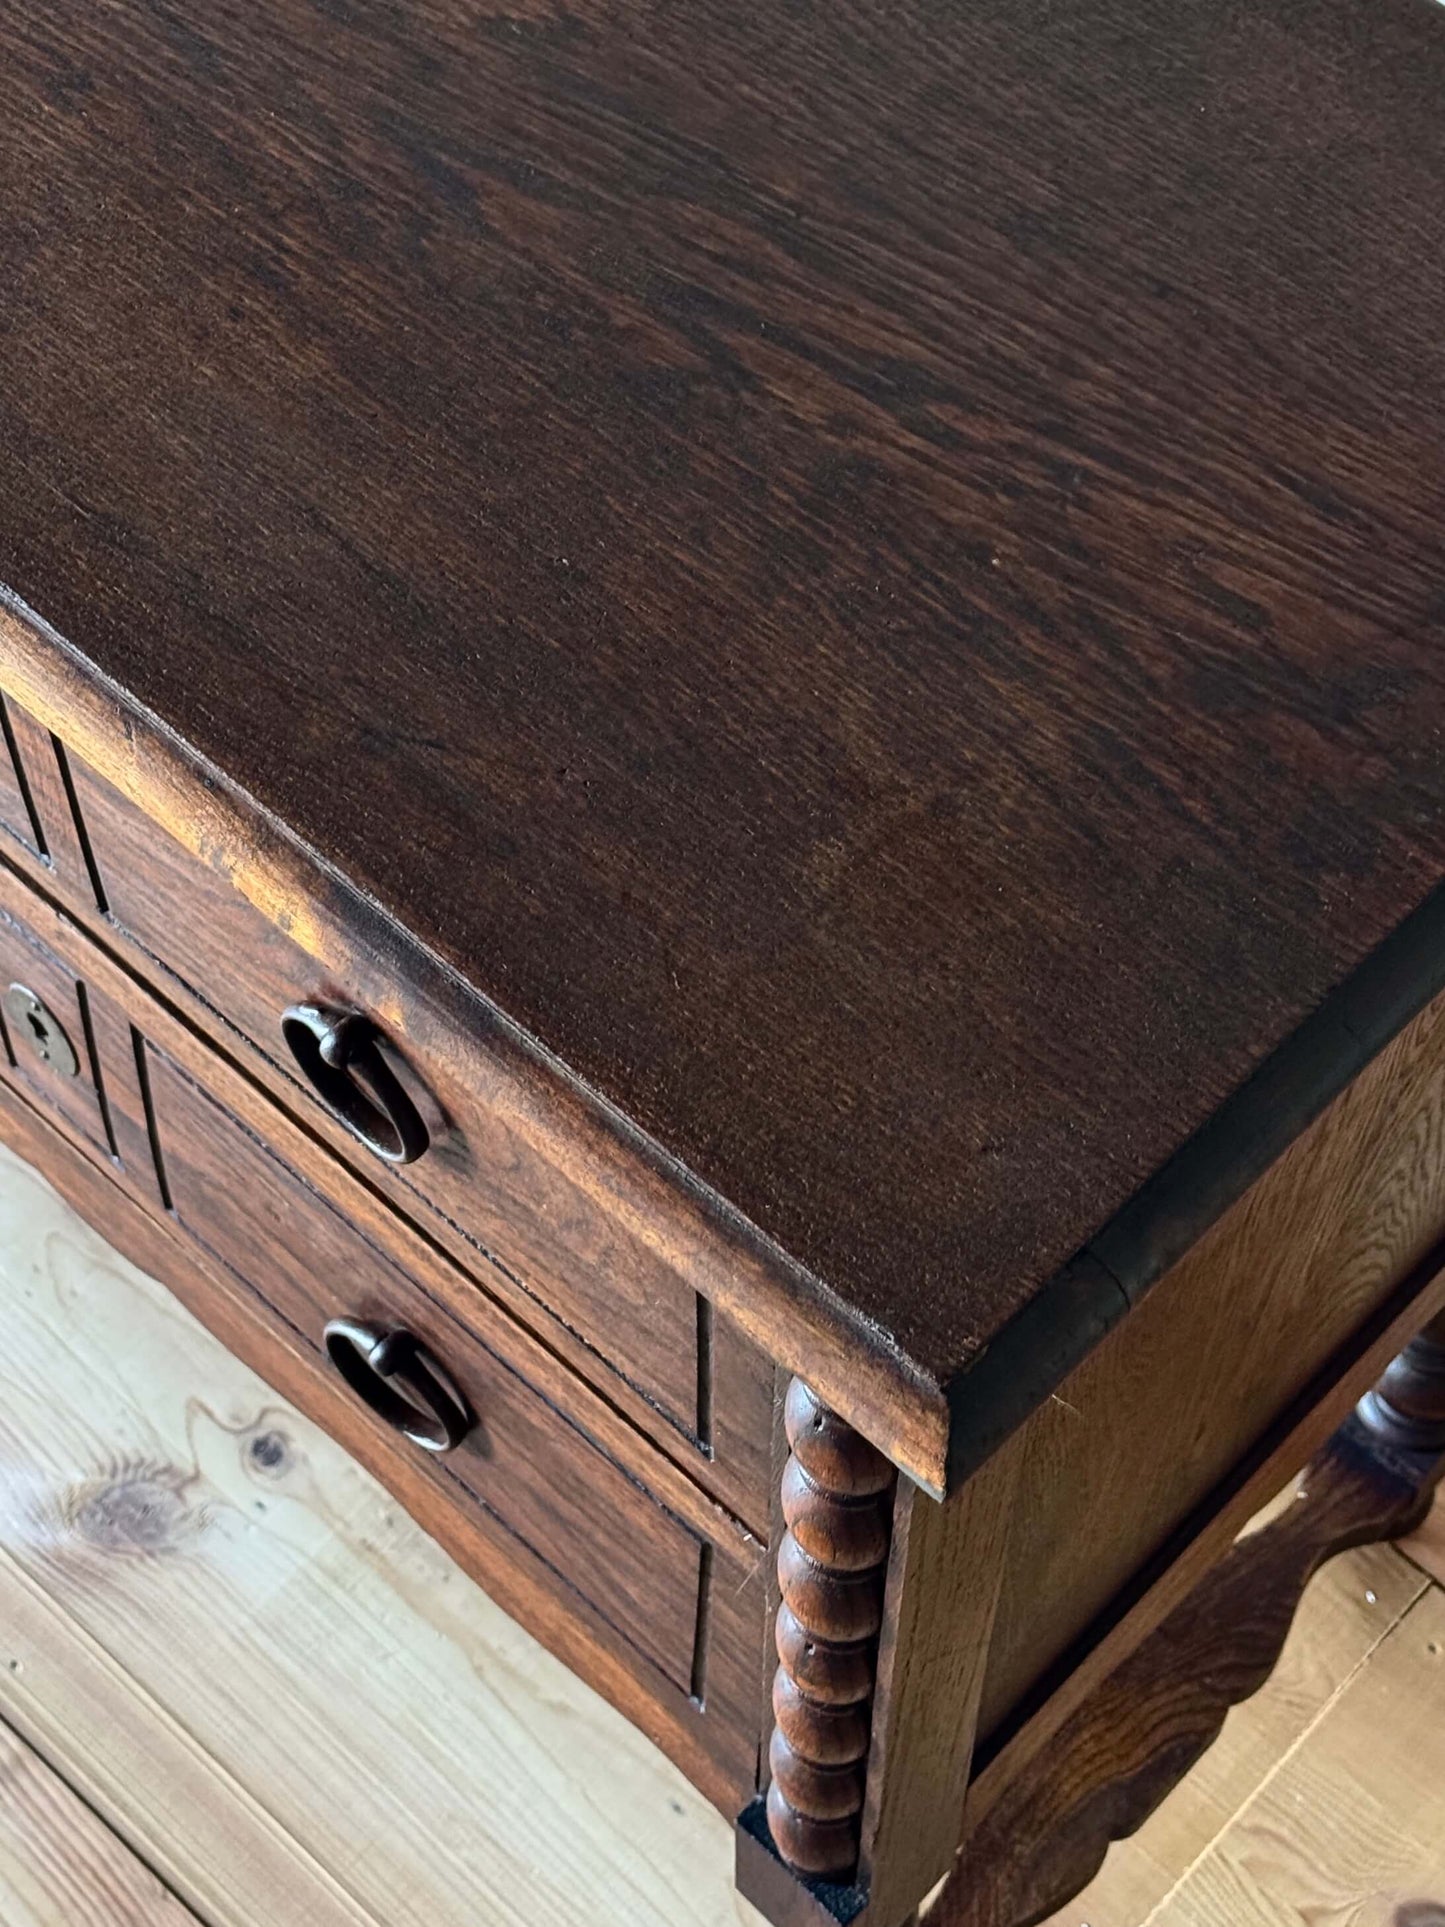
[338, 1054]
[392, 1371]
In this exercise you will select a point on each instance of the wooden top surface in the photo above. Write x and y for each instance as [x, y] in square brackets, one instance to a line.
[873, 574]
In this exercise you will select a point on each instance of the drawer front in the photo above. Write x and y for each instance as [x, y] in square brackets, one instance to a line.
[596, 1528]
[18, 815]
[667, 1586]
[518, 1223]
[47, 1036]
[39, 814]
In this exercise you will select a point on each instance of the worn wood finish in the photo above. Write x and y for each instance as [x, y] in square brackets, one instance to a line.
[43, 773]
[27, 961]
[646, 1585]
[1111, 1764]
[475, 1187]
[556, 1175]
[59, 1866]
[907, 545]
[715, 1745]
[1349, 1810]
[125, 1017]
[261, 1673]
[603, 1534]
[853, 690]
[18, 814]
[589, 1284]
[201, 1060]
[1207, 1362]
[120, 1009]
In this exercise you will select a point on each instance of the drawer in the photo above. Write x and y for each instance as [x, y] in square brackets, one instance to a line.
[47, 1035]
[535, 1469]
[520, 1224]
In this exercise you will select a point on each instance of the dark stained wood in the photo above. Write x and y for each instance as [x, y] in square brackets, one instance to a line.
[476, 1186]
[871, 575]
[18, 814]
[1143, 1728]
[783, 1897]
[26, 960]
[623, 1191]
[653, 1591]
[50, 791]
[1408, 1080]
[1407, 1408]
[520, 1583]
[831, 1563]
[130, 1023]
[505, 1211]
[542, 1478]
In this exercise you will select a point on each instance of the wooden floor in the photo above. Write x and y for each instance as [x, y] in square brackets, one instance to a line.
[237, 1686]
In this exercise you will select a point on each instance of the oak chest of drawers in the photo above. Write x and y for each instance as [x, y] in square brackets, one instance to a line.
[721, 815]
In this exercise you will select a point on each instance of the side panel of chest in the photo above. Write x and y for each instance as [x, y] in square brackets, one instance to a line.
[1172, 1401]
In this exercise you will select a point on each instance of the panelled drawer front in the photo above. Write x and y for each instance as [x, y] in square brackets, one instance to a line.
[520, 1224]
[39, 811]
[18, 815]
[523, 1460]
[49, 1050]
[560, 1488]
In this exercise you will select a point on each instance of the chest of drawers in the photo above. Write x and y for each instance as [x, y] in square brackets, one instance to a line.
[721, 786]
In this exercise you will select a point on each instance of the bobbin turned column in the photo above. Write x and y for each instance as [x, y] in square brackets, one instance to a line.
[831, 1563]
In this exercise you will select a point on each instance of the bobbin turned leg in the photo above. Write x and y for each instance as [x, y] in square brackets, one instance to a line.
[831, 1565]
[1407, 1407]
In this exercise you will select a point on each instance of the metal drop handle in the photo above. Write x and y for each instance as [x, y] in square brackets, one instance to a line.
[339, 1055]
[392, 1371]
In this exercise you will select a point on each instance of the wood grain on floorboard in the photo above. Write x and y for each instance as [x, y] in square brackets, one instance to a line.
[274, 1686]
[1348, 1827]
[60, 1866]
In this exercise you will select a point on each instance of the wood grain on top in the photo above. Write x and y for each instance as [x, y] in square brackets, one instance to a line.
[873, 573]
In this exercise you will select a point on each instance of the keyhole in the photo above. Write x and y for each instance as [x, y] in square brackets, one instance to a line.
[28, 1021]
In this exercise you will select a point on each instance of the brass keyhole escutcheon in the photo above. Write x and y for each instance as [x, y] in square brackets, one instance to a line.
[34, 1026]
